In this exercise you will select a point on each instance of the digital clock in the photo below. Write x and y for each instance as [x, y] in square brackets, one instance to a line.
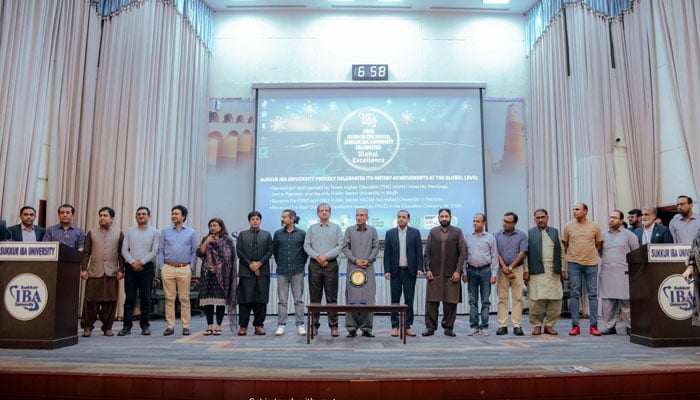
[370, 72]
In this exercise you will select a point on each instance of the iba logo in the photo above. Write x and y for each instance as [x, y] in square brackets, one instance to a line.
[25, 297]
[676, 297]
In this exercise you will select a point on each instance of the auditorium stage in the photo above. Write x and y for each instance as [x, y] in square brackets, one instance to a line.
[269, 367]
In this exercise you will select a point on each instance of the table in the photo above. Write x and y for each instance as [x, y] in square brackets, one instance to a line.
[373, 308]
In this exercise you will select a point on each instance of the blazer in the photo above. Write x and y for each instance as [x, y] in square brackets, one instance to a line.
[16, 232]
[414, 251]
[659, 234]
[4, 233]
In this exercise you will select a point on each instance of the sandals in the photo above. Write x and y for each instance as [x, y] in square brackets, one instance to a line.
[208, 332]
[217, 332]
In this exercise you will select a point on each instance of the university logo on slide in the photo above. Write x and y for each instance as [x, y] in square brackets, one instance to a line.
[25, 297]
[676, 297]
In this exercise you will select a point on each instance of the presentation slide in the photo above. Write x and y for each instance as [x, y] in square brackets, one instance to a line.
[383, 149]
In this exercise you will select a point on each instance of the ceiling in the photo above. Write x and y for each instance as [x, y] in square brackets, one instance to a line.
[454, 6]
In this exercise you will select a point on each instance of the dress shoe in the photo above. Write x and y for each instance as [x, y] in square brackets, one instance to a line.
[395, 332]
[628, 331]
[243, 331]
[146, 332]
[87, 332]
[550, 331]
[124, 332]
[450, 332]
[609, 331]
[428, 332]
[575, 330]
[518, 331]
[502, 331]
[352, 334]
[367, 334]
[168, 331]
[108, 332]
[409, 332]
[259, 330]
[334, 331]
[186, 332]
[536, 331]
[593, 330]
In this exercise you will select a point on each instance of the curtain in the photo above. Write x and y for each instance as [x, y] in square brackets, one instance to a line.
[677, 23]
[549, 134]
[591, 111]
[46, 81]
[634, 102]
[149, 134]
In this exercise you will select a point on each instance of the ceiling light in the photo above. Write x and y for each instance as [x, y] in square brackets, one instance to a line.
[496, 1]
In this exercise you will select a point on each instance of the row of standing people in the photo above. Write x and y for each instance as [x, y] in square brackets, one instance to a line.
[489, 260]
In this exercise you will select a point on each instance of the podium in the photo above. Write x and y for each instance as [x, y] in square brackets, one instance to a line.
[41, 293]
[661, 301]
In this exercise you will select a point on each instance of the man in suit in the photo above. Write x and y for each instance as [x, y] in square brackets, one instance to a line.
[4, 233]
[26, 231]
[403, 264]
[650, 232]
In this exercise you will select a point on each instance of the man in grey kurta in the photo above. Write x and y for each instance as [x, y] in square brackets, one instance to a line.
[102, 267]
[613, 280]
[546, 272]
[445, 253]
[360, 246]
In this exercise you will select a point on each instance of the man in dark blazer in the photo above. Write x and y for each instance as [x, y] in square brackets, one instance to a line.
[403, 263]
[651, 232]
[4, 233]
[18, 232]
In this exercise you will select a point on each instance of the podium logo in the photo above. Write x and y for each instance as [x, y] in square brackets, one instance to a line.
[676, 297]
[25, 297]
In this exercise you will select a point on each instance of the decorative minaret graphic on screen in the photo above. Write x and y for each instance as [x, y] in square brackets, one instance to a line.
[514, 145]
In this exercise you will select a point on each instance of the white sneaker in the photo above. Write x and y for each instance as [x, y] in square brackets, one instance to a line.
[280, 330]
[473, 331]
[301, 330]
[484, 332]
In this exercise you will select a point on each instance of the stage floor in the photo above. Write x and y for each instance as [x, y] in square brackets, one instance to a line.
[383, 358]
[360, 357]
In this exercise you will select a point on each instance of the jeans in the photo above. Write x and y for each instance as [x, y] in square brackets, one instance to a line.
[141, 281]
[297, 283]
[479, 283]
[590, 273]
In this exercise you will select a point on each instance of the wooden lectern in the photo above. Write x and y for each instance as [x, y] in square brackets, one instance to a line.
[41, 292]
[660, 300]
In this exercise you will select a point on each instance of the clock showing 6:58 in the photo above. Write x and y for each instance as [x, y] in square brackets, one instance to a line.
[370, 72]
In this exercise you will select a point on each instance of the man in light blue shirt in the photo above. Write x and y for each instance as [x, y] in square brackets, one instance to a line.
[139, 250]
[481, 271]
[177, 258]
[685, 225]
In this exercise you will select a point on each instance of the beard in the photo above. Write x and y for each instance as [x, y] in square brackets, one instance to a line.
[445, 223]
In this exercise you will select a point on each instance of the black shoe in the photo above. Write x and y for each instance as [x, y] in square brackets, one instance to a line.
[609, 331]
[367, 334]
[124, 332]
[145, 332]
[450, 332]
[352, 333]
[517, 331]
[502, 331]
[186, 332]
[168, 331]
[428, 332]
[628, 331]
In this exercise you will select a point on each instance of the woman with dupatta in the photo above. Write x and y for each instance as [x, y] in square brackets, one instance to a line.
[693, 264]
[218, 278]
